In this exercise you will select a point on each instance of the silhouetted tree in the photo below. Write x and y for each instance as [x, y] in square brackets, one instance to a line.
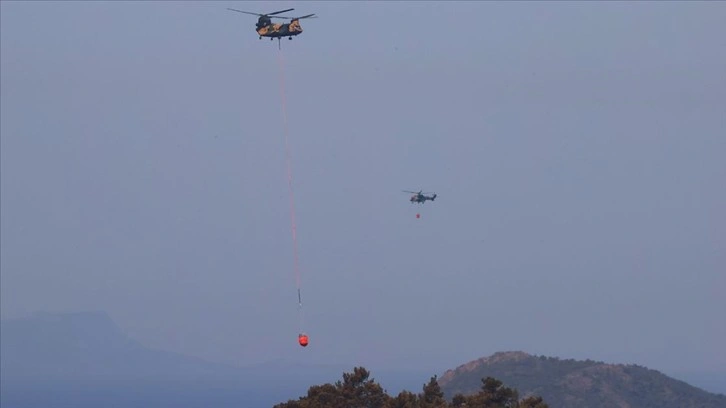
[493, 394]
[323, 396]
[432, 396]
[404, 399]
[533, 402]
[358, 390]
[459, 400]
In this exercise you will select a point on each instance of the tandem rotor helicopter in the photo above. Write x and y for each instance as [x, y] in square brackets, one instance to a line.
[266, 28]
[420, 197]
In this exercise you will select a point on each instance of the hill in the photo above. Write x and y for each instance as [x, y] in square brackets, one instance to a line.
[570, 383]
[88, 346]
[85, 360]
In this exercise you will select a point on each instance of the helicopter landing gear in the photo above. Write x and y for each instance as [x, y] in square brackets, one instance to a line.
[260, 37]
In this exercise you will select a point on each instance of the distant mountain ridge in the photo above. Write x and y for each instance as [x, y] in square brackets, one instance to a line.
[578, 384]
[89, 347]
[85, 360]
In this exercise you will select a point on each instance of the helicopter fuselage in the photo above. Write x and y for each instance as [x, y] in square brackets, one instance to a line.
[266, 28]
[280, 30]
[420, 198]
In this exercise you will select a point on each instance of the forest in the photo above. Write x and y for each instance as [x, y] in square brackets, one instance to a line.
[359, 389]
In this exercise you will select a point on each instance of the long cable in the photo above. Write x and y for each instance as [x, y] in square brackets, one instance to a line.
[289, 183]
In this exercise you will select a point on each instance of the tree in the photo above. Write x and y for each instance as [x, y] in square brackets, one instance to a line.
[358, 390]
[404, 399]
[432, 395]
[326, 395]
[493, 394]
[496, 394]
[459, 400]
[533, 402]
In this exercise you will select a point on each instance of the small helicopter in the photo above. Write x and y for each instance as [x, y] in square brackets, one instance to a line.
[266, 28]
[420, 197]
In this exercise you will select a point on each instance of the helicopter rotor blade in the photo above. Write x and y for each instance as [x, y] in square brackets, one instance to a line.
[246, 12]
[264, 15]
[296, 18]
[278, 12]
[412, 192]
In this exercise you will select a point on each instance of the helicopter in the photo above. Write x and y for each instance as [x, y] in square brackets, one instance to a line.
[266, 28]
[420, 197]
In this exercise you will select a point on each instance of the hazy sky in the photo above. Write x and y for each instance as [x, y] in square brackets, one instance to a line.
[578, 150]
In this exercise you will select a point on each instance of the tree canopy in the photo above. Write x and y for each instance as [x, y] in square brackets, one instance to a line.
[358, 390]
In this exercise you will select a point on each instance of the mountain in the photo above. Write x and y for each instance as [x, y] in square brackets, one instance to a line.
[89, 347]
[712, 381]
[85, 360]
[571, 383]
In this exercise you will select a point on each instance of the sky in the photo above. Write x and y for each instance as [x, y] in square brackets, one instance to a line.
[577, 150]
